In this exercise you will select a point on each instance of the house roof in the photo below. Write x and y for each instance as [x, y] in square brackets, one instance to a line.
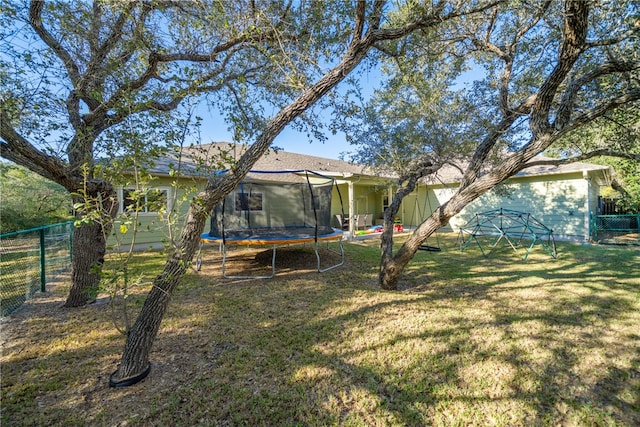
[450, 174]
[284, 160]
[202, 160]
[567, 168]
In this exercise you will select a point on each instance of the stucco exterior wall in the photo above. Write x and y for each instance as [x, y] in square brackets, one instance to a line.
[559, 202]
[152, 228]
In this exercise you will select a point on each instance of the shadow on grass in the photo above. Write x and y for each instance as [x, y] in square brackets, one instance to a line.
[471, 340]
[491, 342]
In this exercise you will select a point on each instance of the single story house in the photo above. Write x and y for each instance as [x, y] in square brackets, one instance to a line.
[562, 197]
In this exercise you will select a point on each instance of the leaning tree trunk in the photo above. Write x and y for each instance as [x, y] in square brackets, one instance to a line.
[387, 263]
[134, 365]
[89, 246]
[392, 266]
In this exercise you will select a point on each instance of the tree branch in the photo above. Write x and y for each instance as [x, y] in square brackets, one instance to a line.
[17, 149]
[614, 40]
[598, 111]
[35, 19]
[584, 156]
[99, 54]
[573, 43]
[358, 29]
[429, 20]
[563, 114]
[518, 160]
[506, 53]
[156, 59]
[154, 105]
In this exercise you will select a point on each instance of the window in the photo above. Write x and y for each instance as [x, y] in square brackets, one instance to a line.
[248, 202]
[151, 200]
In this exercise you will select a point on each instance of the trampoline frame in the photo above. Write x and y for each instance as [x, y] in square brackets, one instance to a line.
[264, 238]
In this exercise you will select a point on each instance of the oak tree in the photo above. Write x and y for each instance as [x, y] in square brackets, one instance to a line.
[74, 71]
[553, 72]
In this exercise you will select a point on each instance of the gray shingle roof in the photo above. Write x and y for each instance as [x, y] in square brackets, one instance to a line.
[218, 156]
[450, 174]
[284, 160]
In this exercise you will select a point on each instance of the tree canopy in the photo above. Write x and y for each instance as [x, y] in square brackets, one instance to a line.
[28, 200]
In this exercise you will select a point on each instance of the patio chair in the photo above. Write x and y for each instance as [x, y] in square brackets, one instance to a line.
[368, 221]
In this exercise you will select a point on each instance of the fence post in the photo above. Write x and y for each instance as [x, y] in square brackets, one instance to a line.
[43, 263]
[72, 225]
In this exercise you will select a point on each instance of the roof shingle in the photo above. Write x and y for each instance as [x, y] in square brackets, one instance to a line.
[217, 156]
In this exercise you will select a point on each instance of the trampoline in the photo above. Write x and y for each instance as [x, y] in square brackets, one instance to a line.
[275, 209]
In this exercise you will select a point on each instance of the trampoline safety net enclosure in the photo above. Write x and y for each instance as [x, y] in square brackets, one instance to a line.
[275, 209]
[518, 229]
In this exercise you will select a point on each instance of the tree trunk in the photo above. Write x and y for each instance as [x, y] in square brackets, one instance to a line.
[392, 266]
[441, 216]
[89, 247]
[471, 187]
[387, 263]
[134, 365]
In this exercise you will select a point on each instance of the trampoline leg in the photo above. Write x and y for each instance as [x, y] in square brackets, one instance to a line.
[199, 257]
[331, 267]
[273, 263]
[224, 260]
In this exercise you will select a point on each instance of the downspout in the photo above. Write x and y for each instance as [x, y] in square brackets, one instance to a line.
[351, 215]
[587, 206]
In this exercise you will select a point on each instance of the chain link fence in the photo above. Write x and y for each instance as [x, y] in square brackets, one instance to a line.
[31, 258]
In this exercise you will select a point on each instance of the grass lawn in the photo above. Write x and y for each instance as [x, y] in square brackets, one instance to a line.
[466, 341]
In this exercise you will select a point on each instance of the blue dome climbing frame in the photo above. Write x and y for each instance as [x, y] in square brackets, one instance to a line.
[514, 227]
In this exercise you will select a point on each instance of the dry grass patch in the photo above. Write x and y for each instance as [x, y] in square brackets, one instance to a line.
[468, 341]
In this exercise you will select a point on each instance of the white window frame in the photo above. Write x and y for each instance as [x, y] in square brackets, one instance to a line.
[252, 194]
[385, 202]
[145, 212]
